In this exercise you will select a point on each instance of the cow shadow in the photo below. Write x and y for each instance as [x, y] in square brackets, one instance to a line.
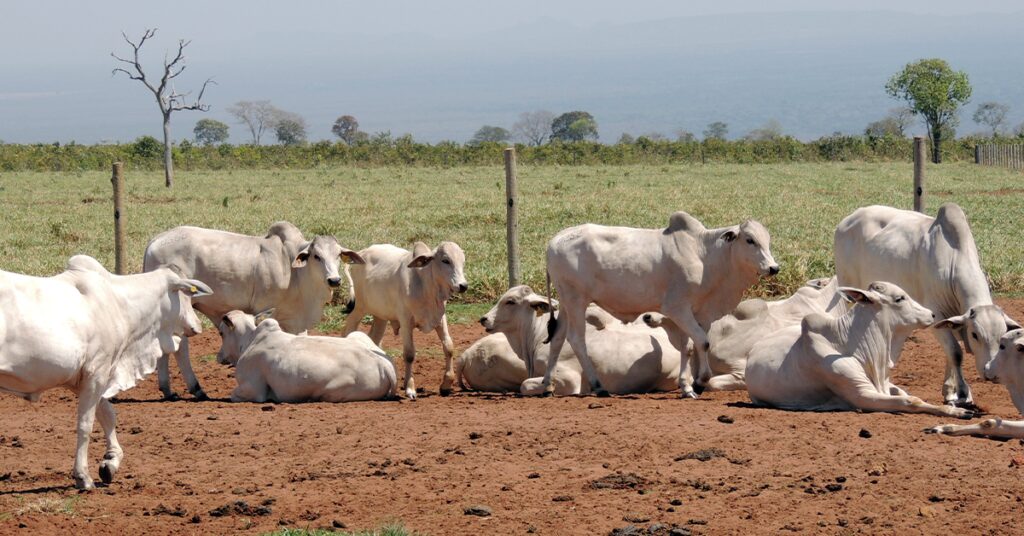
[40, 490]
[166, 401]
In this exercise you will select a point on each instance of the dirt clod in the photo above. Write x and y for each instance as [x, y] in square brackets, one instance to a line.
[701, 455]
[562, 498]
[726, 419]
[475, 435]
[240, 508]
[865, 433]
[477, 510]
[636, 518]
[620, 481]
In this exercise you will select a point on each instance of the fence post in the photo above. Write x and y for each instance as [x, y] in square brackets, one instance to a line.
[977, 154]
[511, 217]
[919, 157]
[118, 181]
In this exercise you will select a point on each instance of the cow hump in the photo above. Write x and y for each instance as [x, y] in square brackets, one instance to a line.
[952, 221]
[682, 221]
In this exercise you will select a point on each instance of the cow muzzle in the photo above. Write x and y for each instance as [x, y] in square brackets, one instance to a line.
[334, 282]
[463, 287]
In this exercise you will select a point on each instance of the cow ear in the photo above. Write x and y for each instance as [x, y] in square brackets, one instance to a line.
[263, 315]
[856, 295]
[226, 320]
[351, 257]
[953, 323]
[1020, 347]
[729, 235]
[302, 257]
[193, 287]
[421, 261]
[540, 305]
[1011, 324]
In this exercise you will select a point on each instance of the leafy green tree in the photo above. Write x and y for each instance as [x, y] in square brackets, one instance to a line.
[210, 131]
[290, 129]
[488, 133]
[934, 91]
[574, 126]
[347, 128]
[887, 126]
[626, 139]
[146, 147]
[716, 131]
[992, 114]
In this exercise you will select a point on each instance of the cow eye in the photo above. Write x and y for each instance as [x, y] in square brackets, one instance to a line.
[317, 257]
[974, 335]
[899, 299]
[750, 241]
[446, 261]
[510, 302]
[1002, 346]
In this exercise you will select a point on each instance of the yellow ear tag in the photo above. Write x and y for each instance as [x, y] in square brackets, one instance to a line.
[195, 289]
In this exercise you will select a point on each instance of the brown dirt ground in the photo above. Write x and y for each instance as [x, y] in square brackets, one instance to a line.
[533, 462]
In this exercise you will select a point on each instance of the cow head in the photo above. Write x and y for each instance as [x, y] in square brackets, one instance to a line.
[323, 257]
[1007, 367]
[444, 263]
[181, 320]
[516, 311]
[982, 327]
[749, 245]
[901, 312]
[236, 330]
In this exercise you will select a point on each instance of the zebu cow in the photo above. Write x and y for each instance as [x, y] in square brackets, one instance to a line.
[842, 363]
[733, 335]
[936, 261]
[94, 333]
[271, 364]
[281, 270]
[1007, 368]
[628, 358]
[410, 288]
[691, 274]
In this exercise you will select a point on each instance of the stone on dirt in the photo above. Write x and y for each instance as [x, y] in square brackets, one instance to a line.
[478, 510]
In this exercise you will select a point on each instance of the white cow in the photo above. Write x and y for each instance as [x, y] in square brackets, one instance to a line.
[94, 333]
[733, 335]
[271, 364]
[629, 358]
[842, 363]
[1007, 368]
[410, 288]
[936, 261]
[281, 270]
[689, 273]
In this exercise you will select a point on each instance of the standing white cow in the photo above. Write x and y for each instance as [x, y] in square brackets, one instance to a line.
[94, 333]
[1006, 368]
[411, 288]
[936, 261]
[628, 358]
[281, 270]
[842, 363]
[691, 274]
[271, 364]
[733, 335]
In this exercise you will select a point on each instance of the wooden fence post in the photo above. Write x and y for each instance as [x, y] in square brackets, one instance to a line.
[977, 154]
[511, 217]
[919, 158]
[118, 181]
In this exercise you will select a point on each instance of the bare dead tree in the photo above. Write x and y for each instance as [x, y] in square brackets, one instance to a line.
[167, 97]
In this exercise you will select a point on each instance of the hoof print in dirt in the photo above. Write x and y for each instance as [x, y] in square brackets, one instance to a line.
[240, 508]
[477, 510]
[621, 481]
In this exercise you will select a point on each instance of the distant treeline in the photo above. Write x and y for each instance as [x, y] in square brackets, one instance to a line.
[146, 153]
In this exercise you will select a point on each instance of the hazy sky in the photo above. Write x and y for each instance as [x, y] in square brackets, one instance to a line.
[56, 82]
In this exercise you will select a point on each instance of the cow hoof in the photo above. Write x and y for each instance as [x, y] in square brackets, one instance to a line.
[689, 394]
[410, 394]
[171, 397]
[699, 388]
[602, 393]
[445, 392]
[200, 395]
[84, 483]
[106, 474]
[548, 394]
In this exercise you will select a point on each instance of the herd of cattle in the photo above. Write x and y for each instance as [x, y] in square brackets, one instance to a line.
[642, 310]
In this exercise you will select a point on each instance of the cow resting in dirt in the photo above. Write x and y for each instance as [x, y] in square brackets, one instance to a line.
[274, 365]
[936, 261]
[281, 270]
[94, 333]
[733, 335]
[691, 274]
[842, 363]
[1007, 368]
[410, 288]
[628, 358]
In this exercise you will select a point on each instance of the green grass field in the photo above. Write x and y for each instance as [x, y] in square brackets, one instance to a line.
[50, 216]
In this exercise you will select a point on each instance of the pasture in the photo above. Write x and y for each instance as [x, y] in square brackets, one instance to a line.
[570, 465]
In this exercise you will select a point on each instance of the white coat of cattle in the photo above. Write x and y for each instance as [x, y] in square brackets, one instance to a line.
[94, 333]
[272, 364]
[691, 274]
[281, 270]
[410, 288]
[628, 358]
[842, 363]
[1007, 368]
[936, 261]
[733, 335]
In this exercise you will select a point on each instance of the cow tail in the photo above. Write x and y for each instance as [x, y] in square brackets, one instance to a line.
[460, 365]
[389, 371]
[552, 321]
[351, 304]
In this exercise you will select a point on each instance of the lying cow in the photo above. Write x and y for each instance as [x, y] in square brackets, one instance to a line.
[733, 335]
[842, 363]
[410, 288]
[628, 358]
[281, 270]
[1007, 368]
[936, 261]
[94, 333]
[274, 365]
[691, 274]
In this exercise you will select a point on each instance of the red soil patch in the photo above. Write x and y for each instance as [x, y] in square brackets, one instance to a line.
[556, 465]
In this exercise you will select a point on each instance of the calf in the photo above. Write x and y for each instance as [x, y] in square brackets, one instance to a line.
[842, 363]
[411, 288]
[272, 364]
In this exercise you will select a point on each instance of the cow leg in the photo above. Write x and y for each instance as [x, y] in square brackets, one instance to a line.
[353, 319]
[112, 457]
[448, 346]
[163, 373]
[88, 401]
[182, 356]
[554, 349]
[682, 315]
[990, 427]
[576, 318]
[955, 390]
[409, 354]
[727, 382]
[251, 386]
[377, 330]
[848, 381]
